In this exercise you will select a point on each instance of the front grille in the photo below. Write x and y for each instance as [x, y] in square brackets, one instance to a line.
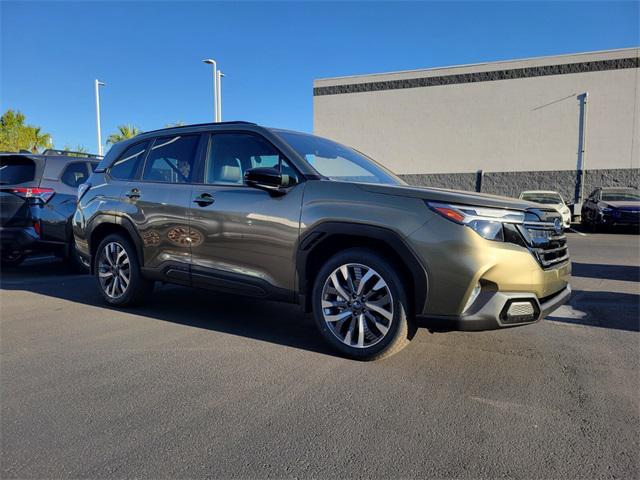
[545, 239]
[552, 252]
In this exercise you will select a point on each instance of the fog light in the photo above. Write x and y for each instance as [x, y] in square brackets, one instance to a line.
[472, 298]
[519, 311]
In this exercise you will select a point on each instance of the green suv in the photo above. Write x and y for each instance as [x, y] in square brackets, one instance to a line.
[275, 214]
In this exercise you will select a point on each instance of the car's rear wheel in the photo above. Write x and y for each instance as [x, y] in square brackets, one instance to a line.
[360, 305]
[118, 272]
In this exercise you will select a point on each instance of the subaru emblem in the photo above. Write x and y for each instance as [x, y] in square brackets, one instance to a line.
[557, 225]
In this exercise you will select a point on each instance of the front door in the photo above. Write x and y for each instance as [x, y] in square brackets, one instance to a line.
[246, 237]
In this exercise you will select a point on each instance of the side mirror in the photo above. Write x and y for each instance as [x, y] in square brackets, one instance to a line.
[264, 178]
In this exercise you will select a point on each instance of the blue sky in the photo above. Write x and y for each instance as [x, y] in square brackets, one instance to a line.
[150, 53]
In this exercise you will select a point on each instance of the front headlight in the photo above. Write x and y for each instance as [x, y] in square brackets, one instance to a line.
[486, 222]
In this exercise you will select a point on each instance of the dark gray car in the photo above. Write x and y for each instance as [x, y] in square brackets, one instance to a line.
[37, 200]
[276, 214]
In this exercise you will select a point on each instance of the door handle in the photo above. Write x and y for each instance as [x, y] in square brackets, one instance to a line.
[133, 193]
[204, 199]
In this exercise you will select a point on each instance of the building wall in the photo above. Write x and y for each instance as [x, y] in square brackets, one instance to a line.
[504, 117]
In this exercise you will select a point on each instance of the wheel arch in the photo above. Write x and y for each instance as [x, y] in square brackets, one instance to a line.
[109, 224]
[328, 238]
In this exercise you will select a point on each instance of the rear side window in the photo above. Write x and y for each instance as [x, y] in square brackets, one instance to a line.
[171, 159]
[74, 174]
[126, 166]
[16, 170]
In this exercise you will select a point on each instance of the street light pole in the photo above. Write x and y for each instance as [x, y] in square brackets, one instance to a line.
[219, 92]
[97, 85]
[215, 89]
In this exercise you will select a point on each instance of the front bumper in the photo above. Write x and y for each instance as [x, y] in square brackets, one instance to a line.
[457, 259]
[619, 217]
[487, 313]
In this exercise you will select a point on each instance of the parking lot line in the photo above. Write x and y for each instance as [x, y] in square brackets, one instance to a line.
[579, 233]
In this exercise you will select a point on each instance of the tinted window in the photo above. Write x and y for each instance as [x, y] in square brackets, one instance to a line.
[232, 154]
[74, 174]
[126, 166]
[171, 159]
[94, 165]
[15, 170]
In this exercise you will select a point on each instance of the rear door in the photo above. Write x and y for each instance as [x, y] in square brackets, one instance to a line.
[158, 204]
[19, 176]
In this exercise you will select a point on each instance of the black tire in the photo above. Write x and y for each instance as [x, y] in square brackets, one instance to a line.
[138, 289]
[584, 221]
[401, 327]
[11, 260]
[75, 261]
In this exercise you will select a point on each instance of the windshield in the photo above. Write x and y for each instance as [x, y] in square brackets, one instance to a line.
[620, 196]
[338, 162]
[546, 198]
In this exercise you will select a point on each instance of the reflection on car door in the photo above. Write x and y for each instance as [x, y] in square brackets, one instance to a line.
[249, 235]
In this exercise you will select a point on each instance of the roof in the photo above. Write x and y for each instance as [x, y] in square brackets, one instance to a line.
[209, 124]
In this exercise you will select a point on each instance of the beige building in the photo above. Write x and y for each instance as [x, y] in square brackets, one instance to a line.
[521, 122]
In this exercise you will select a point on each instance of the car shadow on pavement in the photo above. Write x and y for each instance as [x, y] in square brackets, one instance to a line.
[613, 310]
[274, 322]
[280, 323]
[630, 273]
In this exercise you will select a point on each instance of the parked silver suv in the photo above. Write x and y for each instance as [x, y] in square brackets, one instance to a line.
[277, 214]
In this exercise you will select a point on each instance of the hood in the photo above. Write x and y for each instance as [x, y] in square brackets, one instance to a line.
[628, 205]
[459, 197]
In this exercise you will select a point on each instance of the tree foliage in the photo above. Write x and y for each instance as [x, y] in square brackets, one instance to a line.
[16, 135]
[78, 151]
[124, 132]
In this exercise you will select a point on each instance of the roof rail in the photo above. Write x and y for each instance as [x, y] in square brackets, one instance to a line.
[232, 122]
[69, 153]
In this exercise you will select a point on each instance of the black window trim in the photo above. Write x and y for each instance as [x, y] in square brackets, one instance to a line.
[207, 149]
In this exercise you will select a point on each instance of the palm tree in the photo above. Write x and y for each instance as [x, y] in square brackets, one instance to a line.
[39, 140]
[124, 132]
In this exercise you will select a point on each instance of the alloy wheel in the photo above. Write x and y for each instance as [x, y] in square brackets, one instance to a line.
[357, 305]
[114, 270]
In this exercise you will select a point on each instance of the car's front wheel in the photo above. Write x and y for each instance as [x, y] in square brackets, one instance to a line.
[118, 272]
[360, 305]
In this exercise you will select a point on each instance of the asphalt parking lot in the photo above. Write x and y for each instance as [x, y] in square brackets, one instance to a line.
[198, 384]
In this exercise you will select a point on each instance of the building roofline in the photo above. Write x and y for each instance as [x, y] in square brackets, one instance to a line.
[468, 65]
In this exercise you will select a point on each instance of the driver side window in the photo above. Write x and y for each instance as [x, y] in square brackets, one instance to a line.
[232, 154]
